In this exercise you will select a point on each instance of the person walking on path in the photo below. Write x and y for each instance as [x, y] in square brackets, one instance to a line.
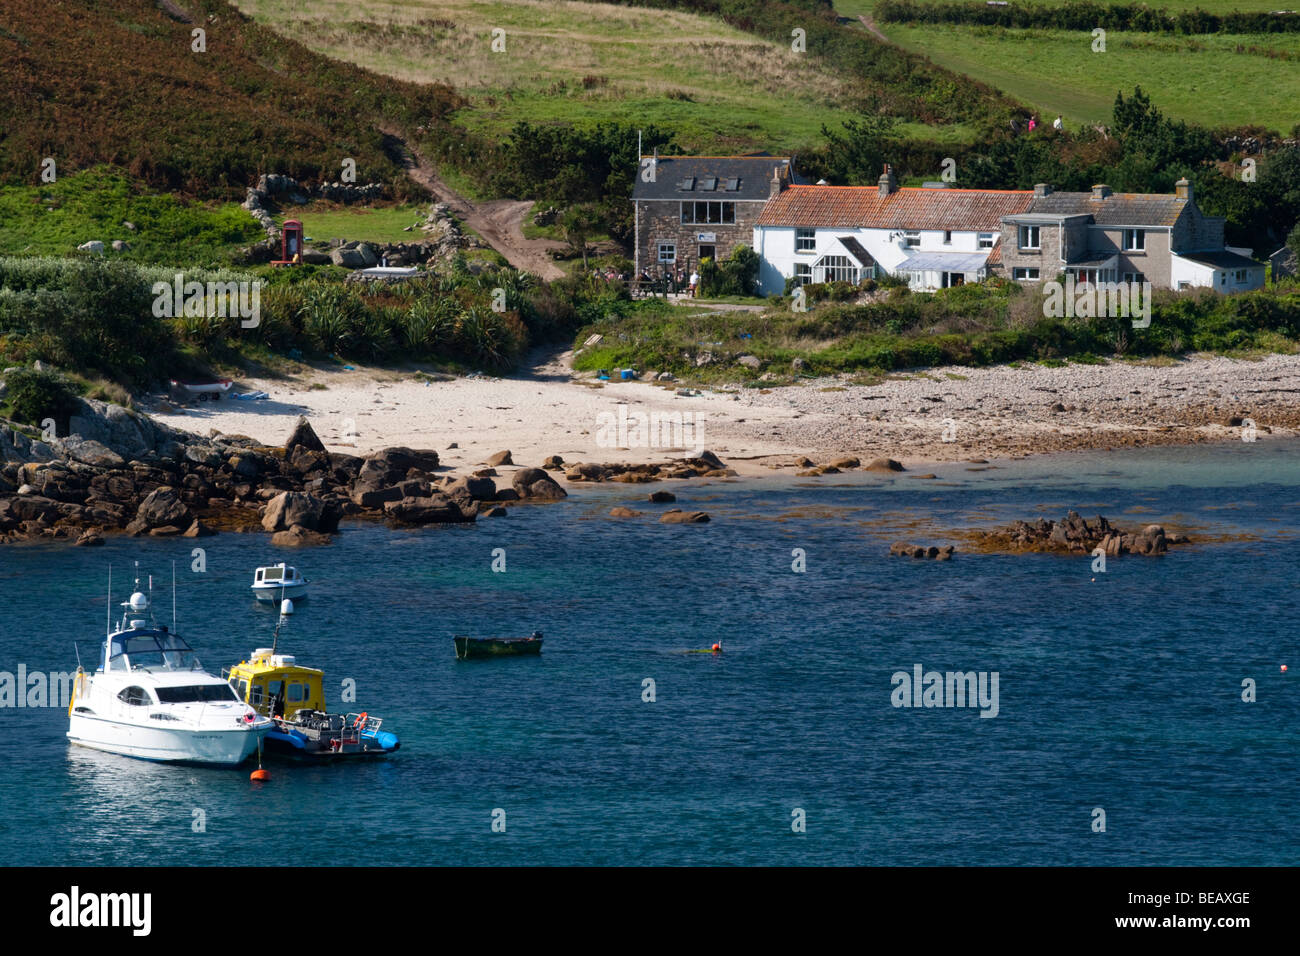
[695, 282]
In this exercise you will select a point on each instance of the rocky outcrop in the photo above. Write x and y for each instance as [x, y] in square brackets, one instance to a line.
[932, 553]
[706, 465]
[677, 516]
[1076, 535]
[121, 472]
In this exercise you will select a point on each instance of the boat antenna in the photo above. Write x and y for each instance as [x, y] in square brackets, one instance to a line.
[275, 638]
[173, 595]
[108, 611]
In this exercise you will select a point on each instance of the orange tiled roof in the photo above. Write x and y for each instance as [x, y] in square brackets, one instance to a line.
[848, 207]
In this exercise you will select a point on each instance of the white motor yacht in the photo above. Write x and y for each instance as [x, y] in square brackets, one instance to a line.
[149, 697]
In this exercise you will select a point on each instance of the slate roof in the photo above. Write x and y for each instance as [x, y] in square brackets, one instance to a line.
[854, 207]
[711, 177]
[1117, 209]
[856, 251]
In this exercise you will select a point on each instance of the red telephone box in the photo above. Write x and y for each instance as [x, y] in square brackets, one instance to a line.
[290, 244]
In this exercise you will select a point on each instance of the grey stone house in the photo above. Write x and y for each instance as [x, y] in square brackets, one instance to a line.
[689, 208]
[1103, 236]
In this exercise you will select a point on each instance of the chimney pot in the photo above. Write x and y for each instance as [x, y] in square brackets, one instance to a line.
[1100, 191]
[1183, 190]
[887, 183]
[1042, 189]
[777, 184]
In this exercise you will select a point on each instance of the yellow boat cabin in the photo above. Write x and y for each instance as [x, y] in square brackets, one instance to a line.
[276, 686]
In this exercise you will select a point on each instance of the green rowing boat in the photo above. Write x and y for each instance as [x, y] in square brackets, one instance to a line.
[470, 648]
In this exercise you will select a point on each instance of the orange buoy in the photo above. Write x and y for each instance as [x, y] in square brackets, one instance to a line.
[259, 775]
[1283, 668]
[717, 648]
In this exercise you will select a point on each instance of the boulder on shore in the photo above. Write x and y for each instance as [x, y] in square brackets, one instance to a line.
[533, 483]
[883, 464]
[435, 508]
[304, 436]
[163, 506]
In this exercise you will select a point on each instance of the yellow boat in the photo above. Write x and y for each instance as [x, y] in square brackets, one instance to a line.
[293, 696]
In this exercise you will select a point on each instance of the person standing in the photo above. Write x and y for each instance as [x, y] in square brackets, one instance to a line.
[695, 282]
[1033, 122]
[1057, 124]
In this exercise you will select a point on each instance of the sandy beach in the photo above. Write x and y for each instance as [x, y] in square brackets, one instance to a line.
[942, 414]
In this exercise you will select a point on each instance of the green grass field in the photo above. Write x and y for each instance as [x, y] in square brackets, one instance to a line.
[715, 88]
[1209, 80]
[54, 219]
[325, 221]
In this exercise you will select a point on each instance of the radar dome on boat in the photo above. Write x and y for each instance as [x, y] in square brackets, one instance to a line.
[261, 651]
[139, 602]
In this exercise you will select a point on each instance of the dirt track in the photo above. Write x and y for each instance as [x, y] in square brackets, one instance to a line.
[499, 221]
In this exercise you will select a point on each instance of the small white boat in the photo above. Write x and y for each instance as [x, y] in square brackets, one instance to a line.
[200, 391]
[278, 582]
[150, 698]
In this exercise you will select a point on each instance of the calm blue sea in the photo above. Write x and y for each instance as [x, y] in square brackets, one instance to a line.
[1123, 693]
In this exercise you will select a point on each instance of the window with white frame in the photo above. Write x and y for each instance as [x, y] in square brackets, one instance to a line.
[911, 239]
[1030, 238]
[986, 240]
[805, 240]
[835, 269]
[1135, 240]
[802, 272]
[947, 237]
[667, 252]
[1023, 274]
[1243, 276]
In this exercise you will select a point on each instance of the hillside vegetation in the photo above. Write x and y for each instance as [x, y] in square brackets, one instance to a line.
[716, 87]
[86, 82]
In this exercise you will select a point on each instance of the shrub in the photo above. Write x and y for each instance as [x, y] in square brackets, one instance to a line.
[34, 396]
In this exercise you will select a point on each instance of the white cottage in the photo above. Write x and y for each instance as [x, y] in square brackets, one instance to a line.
[934, 235]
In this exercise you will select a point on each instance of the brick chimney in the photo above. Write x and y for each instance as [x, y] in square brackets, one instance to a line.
[1100, 192]
[1041, 190]
[887, 183]
[777, 184]
[1183, 190]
